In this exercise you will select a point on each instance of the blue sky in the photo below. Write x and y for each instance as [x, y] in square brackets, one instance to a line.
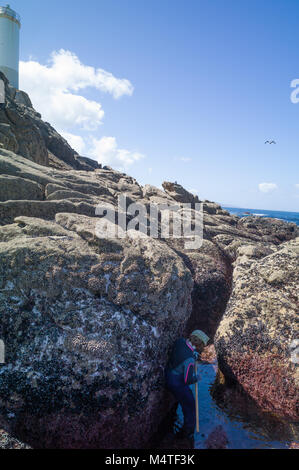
[211, 83]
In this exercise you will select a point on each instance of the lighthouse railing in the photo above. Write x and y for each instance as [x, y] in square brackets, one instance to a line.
[9, 12]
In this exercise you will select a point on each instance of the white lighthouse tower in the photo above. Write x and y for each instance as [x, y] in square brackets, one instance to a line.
[10, 24]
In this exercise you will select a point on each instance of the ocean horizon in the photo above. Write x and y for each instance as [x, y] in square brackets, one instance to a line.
[281, 215]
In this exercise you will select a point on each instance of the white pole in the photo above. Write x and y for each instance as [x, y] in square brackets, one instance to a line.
[196, 401]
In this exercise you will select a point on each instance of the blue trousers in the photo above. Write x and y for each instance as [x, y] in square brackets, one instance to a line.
[183, 394]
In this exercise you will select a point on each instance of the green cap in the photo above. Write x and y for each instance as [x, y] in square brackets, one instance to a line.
[201, 335]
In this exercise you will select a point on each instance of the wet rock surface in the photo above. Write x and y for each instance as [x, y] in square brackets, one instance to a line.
[9, 442]
[294, 445]
[217, 439]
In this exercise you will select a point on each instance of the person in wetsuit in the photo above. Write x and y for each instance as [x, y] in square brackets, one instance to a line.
[180, 373]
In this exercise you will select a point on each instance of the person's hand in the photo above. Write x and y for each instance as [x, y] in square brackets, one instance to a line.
[196, 355]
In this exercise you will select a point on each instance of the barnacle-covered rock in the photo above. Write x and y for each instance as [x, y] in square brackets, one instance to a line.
[87, 324]
[258, 335]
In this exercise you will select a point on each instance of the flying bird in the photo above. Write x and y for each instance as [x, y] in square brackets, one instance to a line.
[270, 142]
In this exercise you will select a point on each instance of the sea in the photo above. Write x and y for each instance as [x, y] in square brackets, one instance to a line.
[281, 215]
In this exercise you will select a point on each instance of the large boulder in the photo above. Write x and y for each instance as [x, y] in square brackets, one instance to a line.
[87, 325]
[257, 339]
[269, 229]
[16, 188]
[178, 193]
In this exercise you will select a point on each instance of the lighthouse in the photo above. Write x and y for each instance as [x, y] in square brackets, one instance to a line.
[10, 24]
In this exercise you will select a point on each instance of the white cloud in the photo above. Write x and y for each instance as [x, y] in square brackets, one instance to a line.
[54, 88]
[183, 159]
[67, 111]
[75, 141]
[106, 151]
[56, 92]
[297, 186]
[267, 187]
[194, 191]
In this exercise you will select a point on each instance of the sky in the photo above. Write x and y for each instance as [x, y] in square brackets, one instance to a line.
[175, 90]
